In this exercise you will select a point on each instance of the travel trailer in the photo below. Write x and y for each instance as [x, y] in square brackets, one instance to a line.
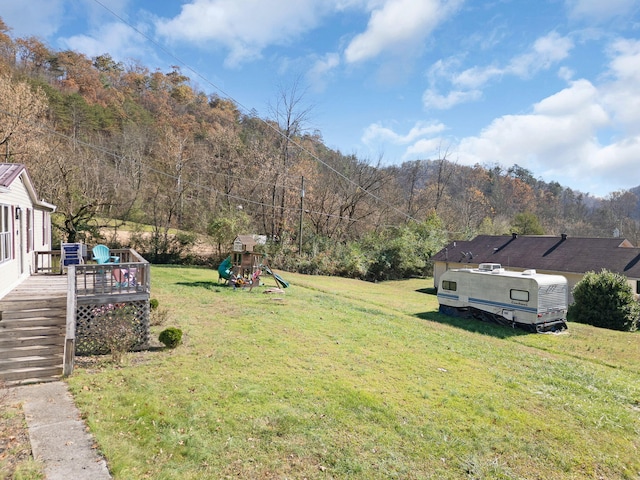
[527, 299]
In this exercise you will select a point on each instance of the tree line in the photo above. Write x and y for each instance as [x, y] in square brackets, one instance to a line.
[109, 142]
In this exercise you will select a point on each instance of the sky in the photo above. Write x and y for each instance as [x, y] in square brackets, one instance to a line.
[552, 86]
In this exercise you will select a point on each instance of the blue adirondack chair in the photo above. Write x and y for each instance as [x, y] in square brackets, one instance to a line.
[101, 255]
[71, 254]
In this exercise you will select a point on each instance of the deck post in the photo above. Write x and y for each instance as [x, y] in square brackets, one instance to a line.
[70, 337]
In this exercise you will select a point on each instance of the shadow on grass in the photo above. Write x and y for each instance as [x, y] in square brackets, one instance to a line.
[429, 290]
[207, 285]
[473, 325]
[469, 324]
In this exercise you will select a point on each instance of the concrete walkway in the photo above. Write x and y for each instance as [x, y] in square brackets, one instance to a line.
[58, 435]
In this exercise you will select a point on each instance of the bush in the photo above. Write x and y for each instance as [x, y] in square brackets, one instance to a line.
[158, 317]
[118, 327]
[170, 337]
[604, 300]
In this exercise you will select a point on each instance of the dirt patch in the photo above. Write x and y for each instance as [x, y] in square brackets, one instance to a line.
[202, 246]
[15, 446]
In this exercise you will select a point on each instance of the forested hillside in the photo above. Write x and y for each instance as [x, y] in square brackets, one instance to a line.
[107, 140]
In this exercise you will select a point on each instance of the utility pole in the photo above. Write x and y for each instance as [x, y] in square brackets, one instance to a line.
[301, 215]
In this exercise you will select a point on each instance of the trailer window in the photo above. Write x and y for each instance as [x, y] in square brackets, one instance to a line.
[449, 285]
[520, 295]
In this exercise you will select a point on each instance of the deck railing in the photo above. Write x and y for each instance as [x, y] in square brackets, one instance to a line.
[130, 276]
[47, 261]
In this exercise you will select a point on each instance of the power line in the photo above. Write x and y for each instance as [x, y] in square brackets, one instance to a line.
[196, 185]
[243, 107]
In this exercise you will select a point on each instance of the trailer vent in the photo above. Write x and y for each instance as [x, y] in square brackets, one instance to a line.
[529, 272]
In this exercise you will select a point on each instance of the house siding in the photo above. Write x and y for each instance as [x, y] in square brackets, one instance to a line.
[10, 271]
[41, 230]
[31, 231]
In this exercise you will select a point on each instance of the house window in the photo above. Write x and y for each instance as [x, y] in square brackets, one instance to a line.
[45, 229]
[449, 285]
[519, 295]
[5, 233]
[637, 286]
[29, 230]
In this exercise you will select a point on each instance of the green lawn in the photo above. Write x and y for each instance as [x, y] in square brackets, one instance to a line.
[345, 379]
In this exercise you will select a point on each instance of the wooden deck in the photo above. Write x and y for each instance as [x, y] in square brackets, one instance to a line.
[49, 317]
[39, 287]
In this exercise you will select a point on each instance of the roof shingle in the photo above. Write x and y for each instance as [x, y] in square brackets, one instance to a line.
[560, 254]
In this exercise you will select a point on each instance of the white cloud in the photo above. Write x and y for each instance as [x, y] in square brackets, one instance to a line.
[395, 25]
[477, 77]
[378, 133]
[598, 10]
[432, 99]
[587, 134]
[580, 96]
[558, 141]
[244, 27]
[622, 93]
[554, 134]
[546, 51]
[317, 76]
[424, 148]
[24, 18]
[117, 39]
[467, 84]
[566, 74]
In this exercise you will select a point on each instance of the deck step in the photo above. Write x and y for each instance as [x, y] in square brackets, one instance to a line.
[31, 362]
[14, 304]
[31, 350]
[8, 324]
[23, 374]
[31, 330]
[33, 340]
[32, 312]
[32, 380]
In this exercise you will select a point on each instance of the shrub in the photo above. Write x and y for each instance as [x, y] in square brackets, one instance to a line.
[158, 317]
[117, 326]
[170, 337]
[605, 300]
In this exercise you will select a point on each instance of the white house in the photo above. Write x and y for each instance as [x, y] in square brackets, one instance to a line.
[25, 225]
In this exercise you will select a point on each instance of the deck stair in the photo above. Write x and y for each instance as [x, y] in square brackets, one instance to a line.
[32, 336]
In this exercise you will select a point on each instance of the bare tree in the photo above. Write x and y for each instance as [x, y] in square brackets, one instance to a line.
[291, 117]
[20, 108]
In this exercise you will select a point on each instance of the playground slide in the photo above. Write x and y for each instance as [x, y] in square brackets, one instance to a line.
[281, 280]
[224, 270]
[278, 278]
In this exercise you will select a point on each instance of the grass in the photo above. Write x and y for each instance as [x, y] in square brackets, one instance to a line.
[345, 379]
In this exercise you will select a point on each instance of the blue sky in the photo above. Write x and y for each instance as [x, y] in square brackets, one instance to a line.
[550, 85]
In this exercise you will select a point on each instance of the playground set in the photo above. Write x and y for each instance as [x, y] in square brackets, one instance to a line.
[244, 267]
